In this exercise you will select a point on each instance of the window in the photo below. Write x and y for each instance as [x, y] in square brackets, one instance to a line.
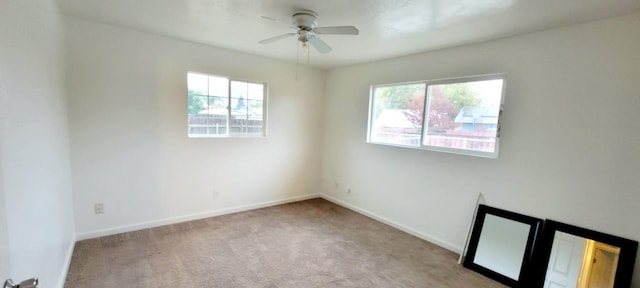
[223, 107]
[458, 115]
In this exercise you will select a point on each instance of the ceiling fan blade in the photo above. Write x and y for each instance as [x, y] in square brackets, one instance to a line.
[320, 45]
[276, 38]
[339, 30]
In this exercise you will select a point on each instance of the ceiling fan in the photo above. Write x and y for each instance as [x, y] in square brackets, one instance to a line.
[306, 22]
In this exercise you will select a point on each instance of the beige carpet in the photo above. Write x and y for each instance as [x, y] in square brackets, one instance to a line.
[312, 243]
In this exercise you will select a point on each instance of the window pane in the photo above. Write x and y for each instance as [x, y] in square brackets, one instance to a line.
[246, 108]
[197, 84]
[238, 107]
[218, 86]
[218, 104]
[254, 118]
[255, 109]
[256, 91]
[197, 115]
[397, 114]
[464, 115]
[197, 104]
[239, 99]
[217, 116]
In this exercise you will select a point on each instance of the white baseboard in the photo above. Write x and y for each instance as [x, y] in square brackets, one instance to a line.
[67, 263]
[190, 217]
[423, 236]
[196, 216]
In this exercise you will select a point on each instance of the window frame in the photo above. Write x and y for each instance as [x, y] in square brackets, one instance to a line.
[425, 126]
[265, 103]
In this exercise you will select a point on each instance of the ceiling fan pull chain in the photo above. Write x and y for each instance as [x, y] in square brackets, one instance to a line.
[297, 58]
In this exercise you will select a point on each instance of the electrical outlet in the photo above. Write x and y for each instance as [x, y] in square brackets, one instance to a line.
[215, 194]
[98, 208]
[348, 190]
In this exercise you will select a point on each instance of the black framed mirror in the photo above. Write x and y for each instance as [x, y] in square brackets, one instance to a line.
[501, 245]
[572, 256]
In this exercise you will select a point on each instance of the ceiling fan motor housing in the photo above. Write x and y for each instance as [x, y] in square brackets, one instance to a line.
[305, 20]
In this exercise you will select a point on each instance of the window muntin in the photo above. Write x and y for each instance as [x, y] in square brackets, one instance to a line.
[462, 115]
[222, 107]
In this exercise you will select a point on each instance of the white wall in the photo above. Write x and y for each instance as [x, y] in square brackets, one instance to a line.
[35, 195]
[129, 141]
[570, 147]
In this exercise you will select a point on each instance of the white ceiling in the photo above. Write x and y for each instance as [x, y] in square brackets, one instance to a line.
[388, 28]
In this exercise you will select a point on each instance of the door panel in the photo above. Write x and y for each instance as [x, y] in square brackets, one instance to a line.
[565, 261]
